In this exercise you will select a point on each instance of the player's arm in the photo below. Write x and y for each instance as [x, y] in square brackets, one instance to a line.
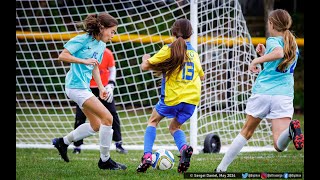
[112, 75]
[109, 59]
[145, 65]
[67, 57]
[71, 47]
[148, 62]
[275, 54]
[111, 83]
[97, 78]
[199, 68]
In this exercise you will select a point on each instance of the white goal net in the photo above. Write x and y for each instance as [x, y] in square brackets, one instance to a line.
[43, 111]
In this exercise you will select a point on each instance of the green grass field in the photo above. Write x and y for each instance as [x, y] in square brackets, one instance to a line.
[47, 164]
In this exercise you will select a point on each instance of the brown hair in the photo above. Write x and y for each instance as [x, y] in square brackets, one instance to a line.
[182, 30]
[95, 22]
[282, 22]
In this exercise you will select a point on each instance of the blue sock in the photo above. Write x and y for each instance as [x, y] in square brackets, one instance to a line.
[179, 138]
[149, 137]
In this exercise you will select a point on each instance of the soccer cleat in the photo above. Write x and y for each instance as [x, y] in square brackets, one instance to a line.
[62, 148]
[76, 150]
[184, 161]
[296, 135]
[111, 165]
[120, 149]
[146, 162]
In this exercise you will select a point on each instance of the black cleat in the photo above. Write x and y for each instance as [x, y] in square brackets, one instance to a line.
[62, 148]
[146, 161]
[184, 162]
[296, 135]
[111, 165]
[76, 150]
[120, 149]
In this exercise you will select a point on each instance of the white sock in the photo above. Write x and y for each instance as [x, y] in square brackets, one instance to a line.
[105, 136]
[233, 151]
[81, 132]
[283, 140]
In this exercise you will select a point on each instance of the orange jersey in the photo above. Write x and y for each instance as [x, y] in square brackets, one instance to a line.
[107, 61]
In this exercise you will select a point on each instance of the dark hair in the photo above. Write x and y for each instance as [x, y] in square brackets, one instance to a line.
[95, 22]
[182, 30]
[282, 22]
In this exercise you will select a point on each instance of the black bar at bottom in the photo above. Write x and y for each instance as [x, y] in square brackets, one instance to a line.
[227, 175]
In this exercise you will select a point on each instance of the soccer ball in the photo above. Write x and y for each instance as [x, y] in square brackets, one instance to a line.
[162, 159]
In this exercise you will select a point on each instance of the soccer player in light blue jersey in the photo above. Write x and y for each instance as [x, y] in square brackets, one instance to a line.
[181, 71]
[273, 90]
[84, 53]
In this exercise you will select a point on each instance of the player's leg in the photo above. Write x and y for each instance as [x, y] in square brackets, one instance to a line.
[80, 118]
[283, 129]
[115, 126]
[280, 132]
[80, 96]
[184, 112]
[238, 143]
[181, 142]
[149, 137]
[258, 107]
[97, 113]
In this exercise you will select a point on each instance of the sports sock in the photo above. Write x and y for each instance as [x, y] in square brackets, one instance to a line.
[81, 132]
[283, 140]
[149, 137]
[105, 137]
[234, 149]
[179, 138]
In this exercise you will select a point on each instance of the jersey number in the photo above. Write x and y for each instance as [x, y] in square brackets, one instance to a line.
[188, 71]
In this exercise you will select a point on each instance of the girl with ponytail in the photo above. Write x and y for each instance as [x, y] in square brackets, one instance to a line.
[273, 90]
[181, 71]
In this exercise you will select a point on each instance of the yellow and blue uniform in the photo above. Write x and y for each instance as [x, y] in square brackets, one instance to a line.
[181, 92]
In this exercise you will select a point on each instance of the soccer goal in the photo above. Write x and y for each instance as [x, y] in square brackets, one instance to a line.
[43, 111]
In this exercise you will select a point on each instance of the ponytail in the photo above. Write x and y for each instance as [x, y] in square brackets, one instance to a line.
[176, 60]
[290, 48]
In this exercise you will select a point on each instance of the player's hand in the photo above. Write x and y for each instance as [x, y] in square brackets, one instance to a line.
[253, 67]
[260, 49]
[103, 94]
[109, 88]
[145, 57]
[91, 61]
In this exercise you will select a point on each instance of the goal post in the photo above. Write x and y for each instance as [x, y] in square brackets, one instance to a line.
[221, 37]
[194, 43]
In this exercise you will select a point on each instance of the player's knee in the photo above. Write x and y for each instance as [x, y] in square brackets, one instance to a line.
[107, 120]
[153, 122]
[173, 128]
[95, 126]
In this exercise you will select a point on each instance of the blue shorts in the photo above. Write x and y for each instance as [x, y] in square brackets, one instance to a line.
[182, 111]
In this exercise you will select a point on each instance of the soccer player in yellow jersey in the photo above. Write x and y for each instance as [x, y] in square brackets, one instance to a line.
[181, 71]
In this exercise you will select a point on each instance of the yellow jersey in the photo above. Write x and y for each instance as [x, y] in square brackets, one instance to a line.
[184, 86]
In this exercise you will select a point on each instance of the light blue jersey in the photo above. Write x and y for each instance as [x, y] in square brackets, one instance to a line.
[270, 80]
[83, 47]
